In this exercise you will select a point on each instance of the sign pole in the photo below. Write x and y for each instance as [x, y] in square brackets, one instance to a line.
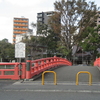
[20, 53]
[20, 67]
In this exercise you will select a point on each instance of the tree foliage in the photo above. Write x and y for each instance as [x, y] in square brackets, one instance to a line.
[75, 17]
[47, 38]
[6, 50]
[91, 41]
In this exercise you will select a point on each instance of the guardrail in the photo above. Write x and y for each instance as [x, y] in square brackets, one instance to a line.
[97, 62]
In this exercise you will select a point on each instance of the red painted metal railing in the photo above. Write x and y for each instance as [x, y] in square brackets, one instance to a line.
[15, 70]
[97, 62]
[20, 70]
[43, 64]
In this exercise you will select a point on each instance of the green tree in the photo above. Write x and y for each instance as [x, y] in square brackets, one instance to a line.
[75, 16]
[47, 38]
[91, 41]
[6, 50]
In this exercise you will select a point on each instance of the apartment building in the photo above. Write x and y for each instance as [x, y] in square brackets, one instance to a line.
[20, 26]
[23, 36]
[42, 18]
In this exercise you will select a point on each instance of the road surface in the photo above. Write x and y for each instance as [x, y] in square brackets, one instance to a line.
[64, 90]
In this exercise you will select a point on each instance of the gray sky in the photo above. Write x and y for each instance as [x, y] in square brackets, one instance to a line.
[27, 8]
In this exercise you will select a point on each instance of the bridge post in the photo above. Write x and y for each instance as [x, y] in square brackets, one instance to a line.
[28, 67]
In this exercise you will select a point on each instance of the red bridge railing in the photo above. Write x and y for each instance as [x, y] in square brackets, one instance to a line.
[13, 72]
[31, 68]
[97, 62]
[40, 65]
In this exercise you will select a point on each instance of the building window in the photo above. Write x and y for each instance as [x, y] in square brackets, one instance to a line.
[49, 13]
[15, 30]
[16, 27]
[39, 14]
[24, 23]
[24, 19]
[16, 19]
[39, 19]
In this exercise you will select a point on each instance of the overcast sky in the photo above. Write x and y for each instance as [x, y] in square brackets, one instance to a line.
[27, 8]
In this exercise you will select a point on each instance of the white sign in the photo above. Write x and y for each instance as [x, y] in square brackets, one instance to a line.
[20, 50]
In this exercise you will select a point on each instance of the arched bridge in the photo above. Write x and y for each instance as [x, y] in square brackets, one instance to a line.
[30, 68]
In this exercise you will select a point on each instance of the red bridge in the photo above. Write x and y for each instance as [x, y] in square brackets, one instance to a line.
[30, 68]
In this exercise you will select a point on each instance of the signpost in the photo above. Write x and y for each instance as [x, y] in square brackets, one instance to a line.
[20, 52]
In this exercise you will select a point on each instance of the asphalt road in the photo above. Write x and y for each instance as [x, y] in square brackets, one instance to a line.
[9, 95]
[4, 83]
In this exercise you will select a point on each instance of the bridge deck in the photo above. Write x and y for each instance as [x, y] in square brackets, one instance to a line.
[68, 73]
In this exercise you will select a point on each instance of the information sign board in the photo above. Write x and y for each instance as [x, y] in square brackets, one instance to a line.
[20, 50]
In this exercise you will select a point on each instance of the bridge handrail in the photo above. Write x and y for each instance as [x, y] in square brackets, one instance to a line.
[51, 58]
[39, 66]
[15, 69]
[14, 76]
[97, 62]
[3, 63]
[43, 64]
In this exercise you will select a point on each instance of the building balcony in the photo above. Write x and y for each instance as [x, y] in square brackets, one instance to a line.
[18, 29]
[18, 32]
[14, 35]
[21, 21]
[14, 39]
[21, 25]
